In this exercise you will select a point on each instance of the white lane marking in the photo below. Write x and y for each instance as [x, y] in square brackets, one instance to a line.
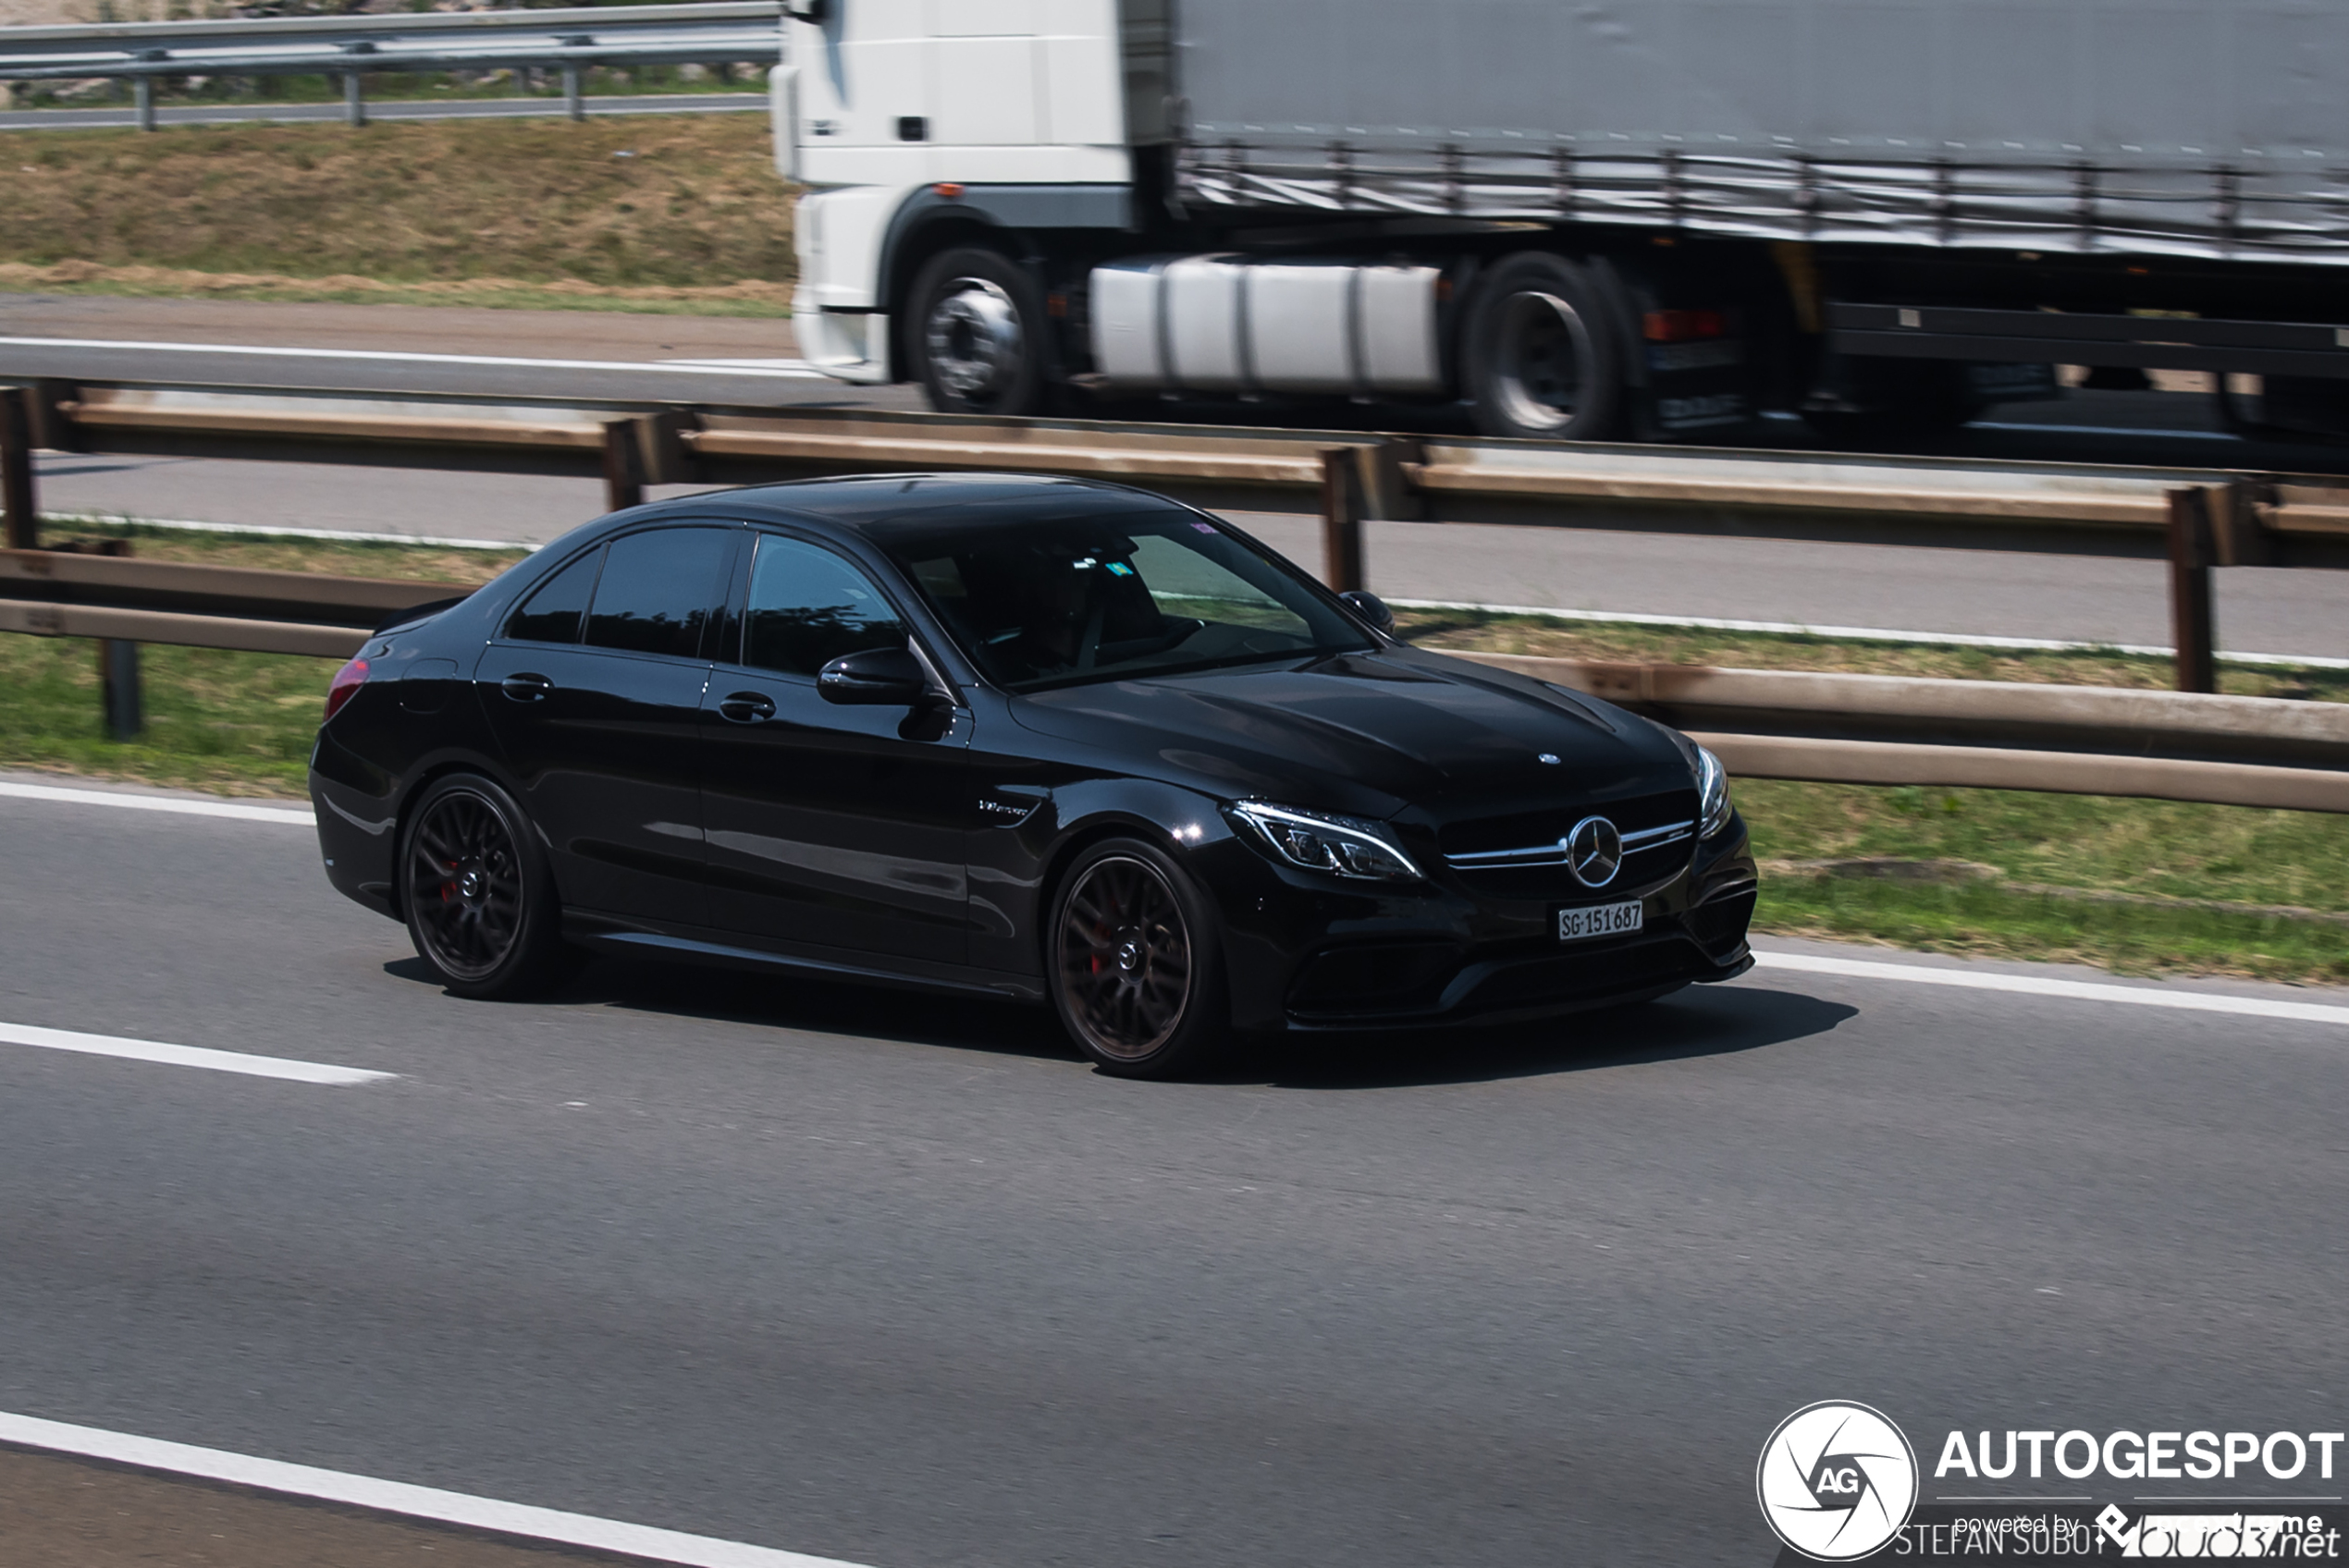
[343, 536]
[2073, 990]
[398, 356]
[286, 817]
[397, 1496]
[1861, 633]
[743, 365]
[169, 1055]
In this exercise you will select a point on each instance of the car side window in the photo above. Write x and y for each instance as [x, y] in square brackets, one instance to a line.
[659, 589]
[807, 607]
[553, 614]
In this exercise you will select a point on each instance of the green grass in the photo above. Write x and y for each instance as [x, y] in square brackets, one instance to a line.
[665, 202]
[237, 723]
[2079, 844]
[1467, 630]
[242, 723]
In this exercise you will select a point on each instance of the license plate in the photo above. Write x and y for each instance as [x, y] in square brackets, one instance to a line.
[1600, 920]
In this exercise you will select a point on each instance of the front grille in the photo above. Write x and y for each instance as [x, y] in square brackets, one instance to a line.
[1523, 855]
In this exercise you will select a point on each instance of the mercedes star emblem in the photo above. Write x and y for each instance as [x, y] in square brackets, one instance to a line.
[1594, 852]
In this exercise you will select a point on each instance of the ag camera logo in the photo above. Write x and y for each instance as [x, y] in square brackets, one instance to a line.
[1837, 1481]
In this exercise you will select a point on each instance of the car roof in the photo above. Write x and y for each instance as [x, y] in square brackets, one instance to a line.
[865, 502]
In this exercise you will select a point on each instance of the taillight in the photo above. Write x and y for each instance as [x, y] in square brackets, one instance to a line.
[346, 684]
[1681, 327]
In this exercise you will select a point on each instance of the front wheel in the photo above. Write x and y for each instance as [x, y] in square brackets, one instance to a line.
[478, 897]
[976, 334]
[1136, 963]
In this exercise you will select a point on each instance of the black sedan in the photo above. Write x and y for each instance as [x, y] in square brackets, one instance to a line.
[1055, 741]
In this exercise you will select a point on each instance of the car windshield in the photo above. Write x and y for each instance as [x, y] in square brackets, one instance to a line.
[1066, 601]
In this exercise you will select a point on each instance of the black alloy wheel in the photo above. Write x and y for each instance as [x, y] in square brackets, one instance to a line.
[479, 903]
[1542, 361]
[976, 334]
[1136, 966]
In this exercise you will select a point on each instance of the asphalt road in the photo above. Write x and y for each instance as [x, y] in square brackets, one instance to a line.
[902, 1283]
[114, 115]
[1620, 571]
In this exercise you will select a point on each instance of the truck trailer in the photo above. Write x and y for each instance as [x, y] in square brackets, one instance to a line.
[1582, 219]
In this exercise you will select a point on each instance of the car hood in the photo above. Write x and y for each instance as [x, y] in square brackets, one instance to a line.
[1368, 733]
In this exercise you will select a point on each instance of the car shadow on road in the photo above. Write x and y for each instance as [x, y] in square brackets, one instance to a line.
[796, 1002]
[1699, 1022]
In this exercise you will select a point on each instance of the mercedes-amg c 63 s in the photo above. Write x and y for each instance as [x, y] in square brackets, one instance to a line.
[1048, 740]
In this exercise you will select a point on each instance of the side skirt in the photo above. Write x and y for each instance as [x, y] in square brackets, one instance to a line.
[610, 934]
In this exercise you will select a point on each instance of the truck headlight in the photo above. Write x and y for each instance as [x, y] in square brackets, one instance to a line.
[1343, 846]
[1713, 794]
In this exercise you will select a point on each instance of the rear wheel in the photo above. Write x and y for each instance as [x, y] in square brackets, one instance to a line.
[1540, 358]
[478, 897]
[1136, 963]
[976, 334]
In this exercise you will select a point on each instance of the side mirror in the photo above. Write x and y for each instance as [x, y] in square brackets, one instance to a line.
[876, 677]
[1370, 608]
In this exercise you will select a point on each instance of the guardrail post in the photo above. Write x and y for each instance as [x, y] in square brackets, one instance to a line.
[118, 684]
[624, 466]
[354, 104]
[143, 92]
[2192, 628]
[17, 498]
[1341, 520]
[572, 99]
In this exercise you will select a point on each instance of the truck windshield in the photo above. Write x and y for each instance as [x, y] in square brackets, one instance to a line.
[1072, 600]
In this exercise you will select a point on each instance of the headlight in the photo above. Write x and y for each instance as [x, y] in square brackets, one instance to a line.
[1713, 794]
[1344, 846]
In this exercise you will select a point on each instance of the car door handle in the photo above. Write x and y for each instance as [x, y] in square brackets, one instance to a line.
[525, 687]
[747, 707]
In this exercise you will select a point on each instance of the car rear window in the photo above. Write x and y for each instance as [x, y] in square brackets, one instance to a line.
[659, 589]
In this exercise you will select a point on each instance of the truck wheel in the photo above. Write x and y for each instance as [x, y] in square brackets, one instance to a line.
[977, 334]
[1540, 358]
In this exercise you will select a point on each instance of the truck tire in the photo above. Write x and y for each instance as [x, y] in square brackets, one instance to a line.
[1542, 356]
[975, 334]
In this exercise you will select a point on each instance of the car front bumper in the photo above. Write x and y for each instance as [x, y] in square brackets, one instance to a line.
[1310, 952]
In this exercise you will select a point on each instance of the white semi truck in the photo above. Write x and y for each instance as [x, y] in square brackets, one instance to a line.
[1636, 219]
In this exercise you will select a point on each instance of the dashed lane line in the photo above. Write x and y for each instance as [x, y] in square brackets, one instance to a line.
[166, 1054]
[2039, 986]
[460, 1509]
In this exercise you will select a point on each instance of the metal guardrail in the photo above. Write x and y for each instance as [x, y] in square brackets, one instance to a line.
[2264, 752]
[566, 41]
[2197, 519]
[1868, 729]
[57, 593]
[1764, 724]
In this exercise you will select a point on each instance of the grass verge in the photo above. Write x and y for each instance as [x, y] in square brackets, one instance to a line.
[237, 723]
[658, 202]
[2037, 867]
